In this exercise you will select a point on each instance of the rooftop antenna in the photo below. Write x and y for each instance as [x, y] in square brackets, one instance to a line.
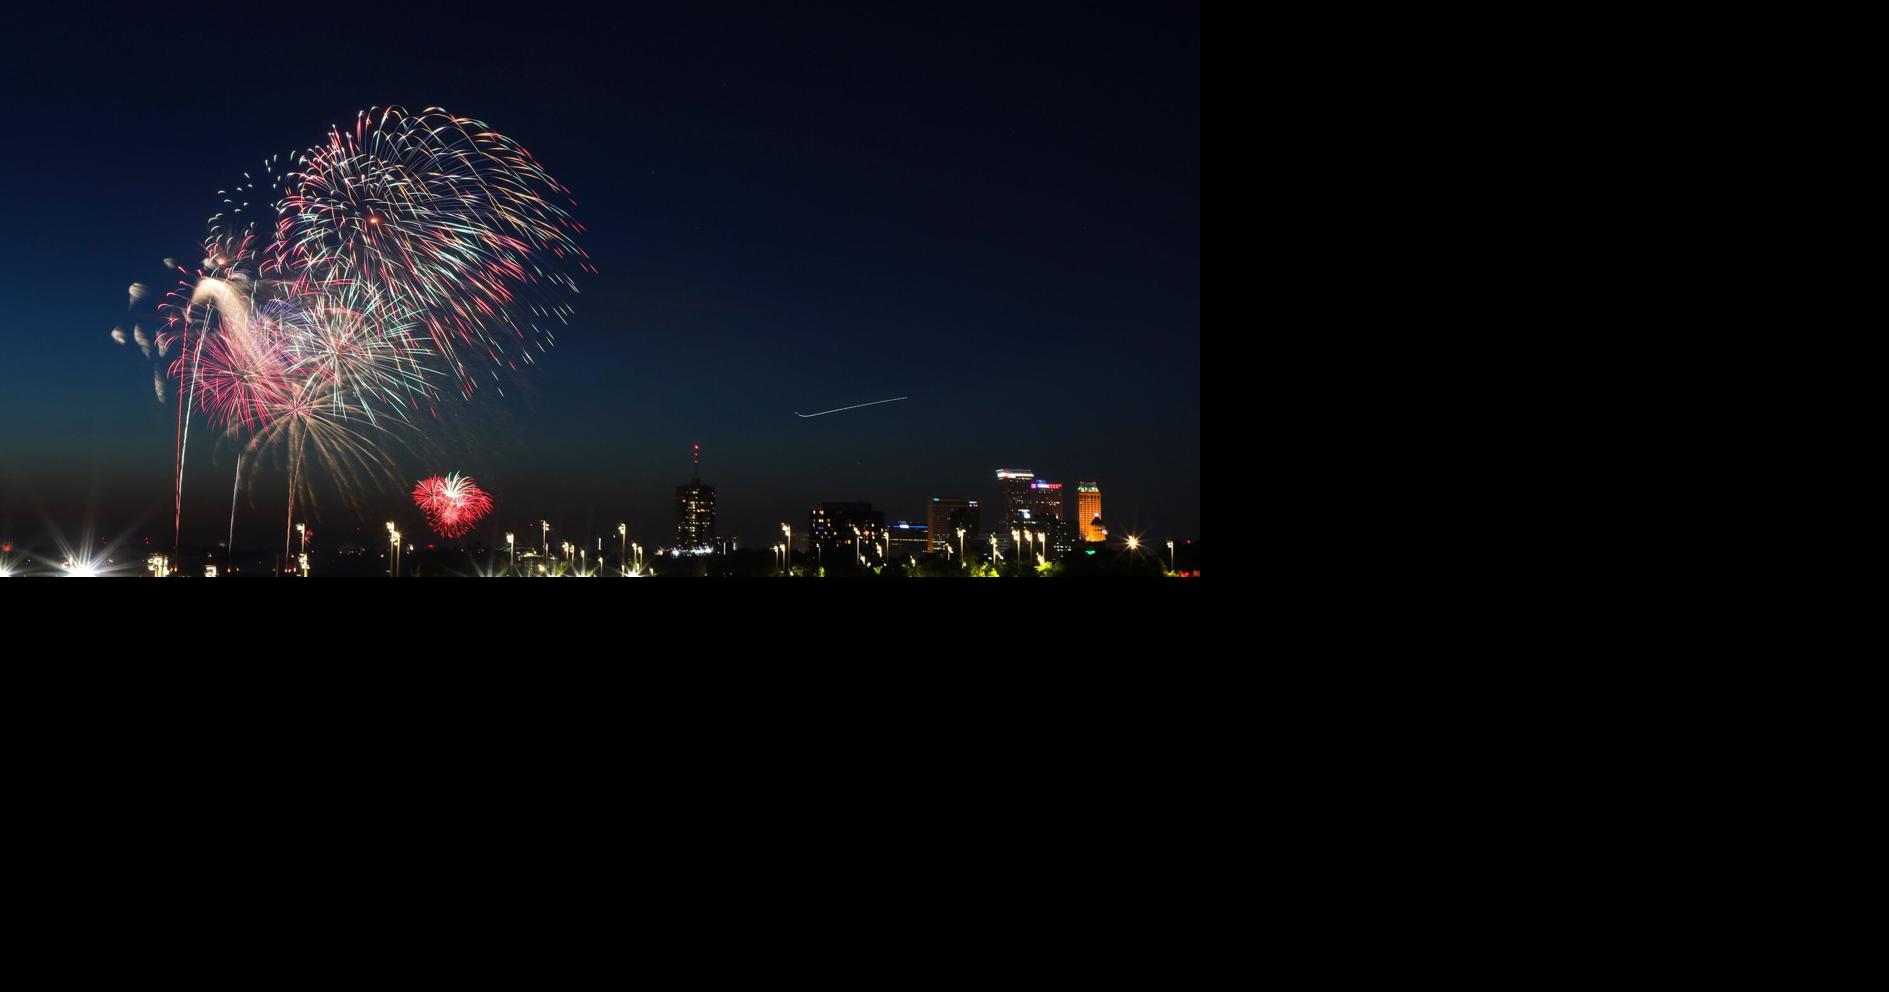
[698, 461]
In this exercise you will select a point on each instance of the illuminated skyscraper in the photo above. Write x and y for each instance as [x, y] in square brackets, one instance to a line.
[1028, 499]
[695, 513]
[1013, 490]
[1045, 500]
[1089, 511]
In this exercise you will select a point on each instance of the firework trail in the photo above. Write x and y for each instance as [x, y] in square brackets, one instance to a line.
[452, 504]
[229, 548]
[344, 288]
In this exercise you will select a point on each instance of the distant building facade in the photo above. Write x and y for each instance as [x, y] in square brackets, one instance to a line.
[906, 540]
[946, 516]
[1053, 538]
[842, 533]
[1045, 502]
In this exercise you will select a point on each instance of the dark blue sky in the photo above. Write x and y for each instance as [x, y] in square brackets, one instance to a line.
[992, 210]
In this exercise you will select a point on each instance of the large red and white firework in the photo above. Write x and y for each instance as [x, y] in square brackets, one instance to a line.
[452, 505]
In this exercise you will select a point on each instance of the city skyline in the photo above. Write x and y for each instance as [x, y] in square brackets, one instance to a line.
[858, 256]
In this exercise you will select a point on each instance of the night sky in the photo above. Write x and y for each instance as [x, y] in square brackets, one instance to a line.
[992, 210]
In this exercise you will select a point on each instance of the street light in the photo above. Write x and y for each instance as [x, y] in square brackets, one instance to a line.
[301, 531]
[1134, 543]
[511, 542]
[787, 551]
[960, 545]
[544, 538]
[393, 544]
[623, 531]
[1170, 556]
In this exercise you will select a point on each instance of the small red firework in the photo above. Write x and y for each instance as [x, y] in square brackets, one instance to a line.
[453, 504]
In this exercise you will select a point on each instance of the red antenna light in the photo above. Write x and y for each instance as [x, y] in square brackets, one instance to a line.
[698, 453]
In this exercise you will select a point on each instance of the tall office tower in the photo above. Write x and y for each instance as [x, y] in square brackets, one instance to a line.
[1013, 492]
[695, 513]
[1045, 501]
[1089, 512]
[946, 516]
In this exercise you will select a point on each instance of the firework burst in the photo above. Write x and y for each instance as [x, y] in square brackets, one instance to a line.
[452, 505]
[358, 283]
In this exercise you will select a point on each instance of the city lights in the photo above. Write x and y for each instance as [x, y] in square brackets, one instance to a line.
[1042, 543]
[410, 312]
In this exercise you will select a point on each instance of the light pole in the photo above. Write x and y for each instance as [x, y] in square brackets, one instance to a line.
[511, 543]
[393, 549]
[544, 539]
[1170, 556]
[301, 532]
[623, 531]
[960, 546]
[859, 553]
[787, 550]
